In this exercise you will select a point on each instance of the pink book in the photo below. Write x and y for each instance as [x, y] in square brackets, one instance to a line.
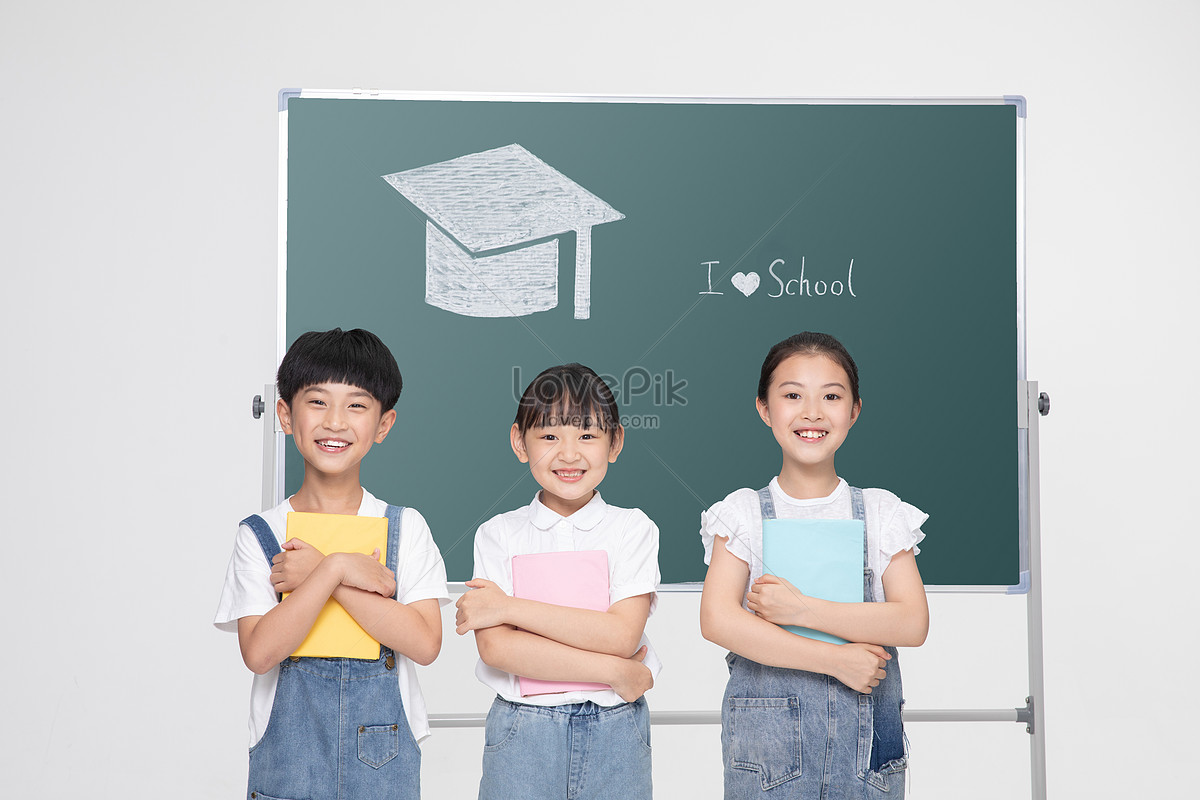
[575, 578]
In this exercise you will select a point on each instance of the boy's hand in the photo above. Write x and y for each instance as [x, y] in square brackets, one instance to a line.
[633, 678]
[482, 607]
[778, 601]
[861, 666]
[366, 573]
[293, 566]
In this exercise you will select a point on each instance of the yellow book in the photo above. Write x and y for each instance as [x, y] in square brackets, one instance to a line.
[335, 634]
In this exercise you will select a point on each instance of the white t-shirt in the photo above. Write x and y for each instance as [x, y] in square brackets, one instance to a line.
[626, 534]
[420, 575]
[893, 526]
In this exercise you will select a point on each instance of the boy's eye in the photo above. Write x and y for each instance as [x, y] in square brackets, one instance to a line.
[588, 436]
[317, 402]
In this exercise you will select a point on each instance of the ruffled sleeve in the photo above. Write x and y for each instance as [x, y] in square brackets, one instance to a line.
[903, 531]
[732, 523]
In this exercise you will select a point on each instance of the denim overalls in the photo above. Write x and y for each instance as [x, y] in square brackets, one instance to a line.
[338, 730]
[789, 733]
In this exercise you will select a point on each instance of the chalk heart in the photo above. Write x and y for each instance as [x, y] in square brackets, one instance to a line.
[745, 283]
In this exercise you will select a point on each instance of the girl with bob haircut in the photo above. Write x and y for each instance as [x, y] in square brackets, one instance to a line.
[803, 717]
[583, 742]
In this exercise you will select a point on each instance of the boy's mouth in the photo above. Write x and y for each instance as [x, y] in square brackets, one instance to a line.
[332, 445]
[811, 435]
[569, 475]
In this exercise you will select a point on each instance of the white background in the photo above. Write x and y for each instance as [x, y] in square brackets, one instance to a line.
[138, 217]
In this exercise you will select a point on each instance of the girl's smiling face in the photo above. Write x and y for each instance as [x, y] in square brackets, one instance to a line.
[568, 461]
[809, 409]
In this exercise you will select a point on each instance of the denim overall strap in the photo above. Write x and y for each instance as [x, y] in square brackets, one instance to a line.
[393, 515]
[766, 503]
[887, 746]
[266, 540]
[266, 536]
[859, 509]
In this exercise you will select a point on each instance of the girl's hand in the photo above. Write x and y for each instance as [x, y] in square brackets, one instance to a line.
[366, 572]
[860, 666]
[482, 607]
[777, 601]
[292, 567]
[633, 677]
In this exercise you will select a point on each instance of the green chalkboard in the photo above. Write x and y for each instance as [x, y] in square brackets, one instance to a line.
[892, 226]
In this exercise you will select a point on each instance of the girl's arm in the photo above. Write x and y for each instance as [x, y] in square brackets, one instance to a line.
[723, 621]
[616, 632]
[533, 656]
[903, 620]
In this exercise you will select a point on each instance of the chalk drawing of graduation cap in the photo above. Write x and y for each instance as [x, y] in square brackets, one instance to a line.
[491, 237]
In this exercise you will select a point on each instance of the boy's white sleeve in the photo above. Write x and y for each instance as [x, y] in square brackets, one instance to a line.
[422, 572]
[248, 591]
[636, 569]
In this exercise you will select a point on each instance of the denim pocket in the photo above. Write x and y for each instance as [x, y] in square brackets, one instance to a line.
[378, 744]
[764, 737]
[501, 725]
[639, 720]
[256, 795]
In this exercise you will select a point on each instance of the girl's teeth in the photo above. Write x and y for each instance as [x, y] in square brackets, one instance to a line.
[811, 434]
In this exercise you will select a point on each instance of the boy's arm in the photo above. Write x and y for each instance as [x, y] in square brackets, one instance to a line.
[413, 630]
[616, 632]
[723, 621]
[533, 656]
[268, 639]
[366, 592]
[902, 620]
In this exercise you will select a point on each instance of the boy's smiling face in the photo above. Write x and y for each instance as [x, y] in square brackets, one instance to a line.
[334, 426]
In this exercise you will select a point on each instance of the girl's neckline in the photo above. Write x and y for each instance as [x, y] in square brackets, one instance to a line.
[808, 501]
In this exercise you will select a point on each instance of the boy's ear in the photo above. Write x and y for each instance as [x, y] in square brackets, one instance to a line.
[761, 406]
[618, 441]
[385, 425]
[285, 415]
[518, 443]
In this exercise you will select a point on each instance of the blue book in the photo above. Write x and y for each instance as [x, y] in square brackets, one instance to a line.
[820, 557]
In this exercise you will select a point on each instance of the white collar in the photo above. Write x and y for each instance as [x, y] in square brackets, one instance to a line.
[584, 519]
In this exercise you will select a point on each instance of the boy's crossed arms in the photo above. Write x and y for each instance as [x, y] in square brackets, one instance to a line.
[360, 583]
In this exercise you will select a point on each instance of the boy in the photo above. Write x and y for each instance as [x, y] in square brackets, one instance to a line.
[338, 727]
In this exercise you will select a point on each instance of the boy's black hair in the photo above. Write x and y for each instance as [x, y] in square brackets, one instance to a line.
[571, 394]
[357, 358]
[808, 343]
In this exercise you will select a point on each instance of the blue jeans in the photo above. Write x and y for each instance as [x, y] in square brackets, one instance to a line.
[576, 751]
